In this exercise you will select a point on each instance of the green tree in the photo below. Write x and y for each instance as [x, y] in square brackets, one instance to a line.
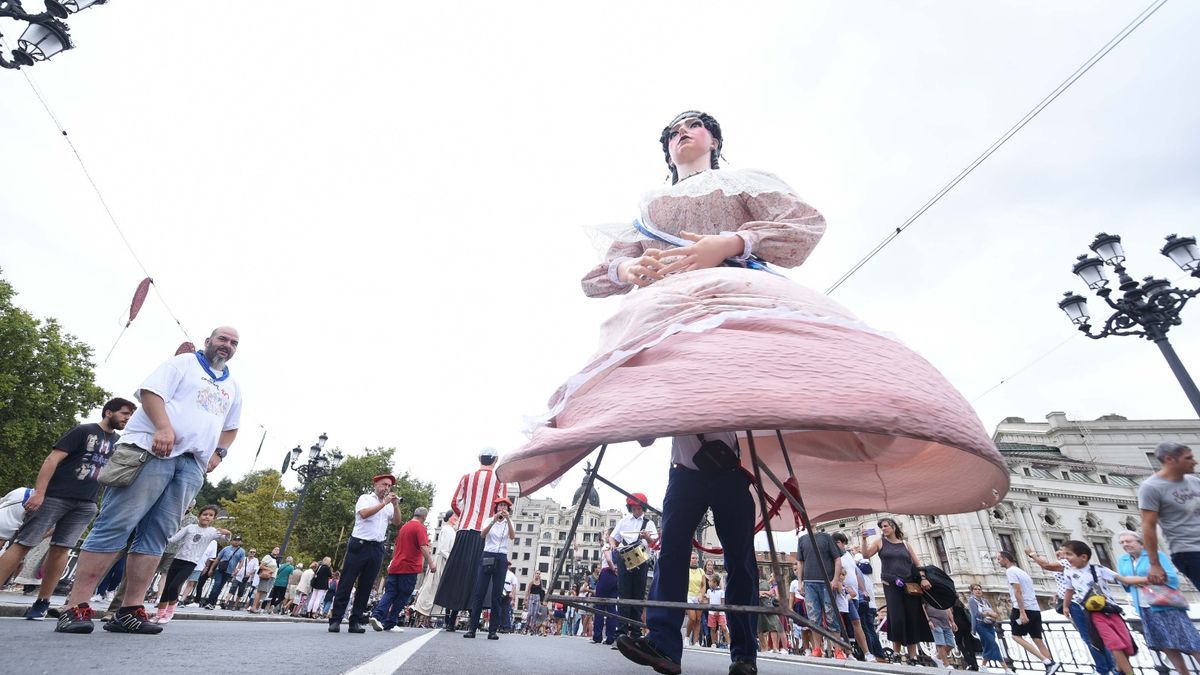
[47, 383]
[228, 489]
[260, 515]
[327, 516]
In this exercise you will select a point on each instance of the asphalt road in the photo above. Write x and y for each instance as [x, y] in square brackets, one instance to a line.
[307, 648]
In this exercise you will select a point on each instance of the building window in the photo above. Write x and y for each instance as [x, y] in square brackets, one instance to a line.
[522, 583]
[526, 556]
[562, 536]
[545, 551]
[1006, 544]
[528, 541]
[550, 521]
[1057, 544]
[1124, 481]
[544, 567]
[518, 527]
[1028, 472]
[1153, 461]
[1102, 556]
[940, 546]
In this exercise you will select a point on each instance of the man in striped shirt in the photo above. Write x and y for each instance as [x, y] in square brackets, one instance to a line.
[473, 499]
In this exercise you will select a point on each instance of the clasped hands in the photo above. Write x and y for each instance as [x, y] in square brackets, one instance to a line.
[709, 250]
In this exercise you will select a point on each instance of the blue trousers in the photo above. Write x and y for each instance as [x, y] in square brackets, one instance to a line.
[397, 590]
[689, 494]
[867, 616]
[1101, 658]
[492, 567]
[219, 580]
[603, 627]
[359, 571]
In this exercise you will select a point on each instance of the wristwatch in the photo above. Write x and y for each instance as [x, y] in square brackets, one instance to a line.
[221, 452]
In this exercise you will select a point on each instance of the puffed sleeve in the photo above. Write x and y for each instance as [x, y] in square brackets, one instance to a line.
[601, 280]
[784, 229]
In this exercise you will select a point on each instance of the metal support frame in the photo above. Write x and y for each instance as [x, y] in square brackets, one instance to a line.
[759, 468]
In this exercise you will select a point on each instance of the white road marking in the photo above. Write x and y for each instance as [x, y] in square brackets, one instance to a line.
[391, 660]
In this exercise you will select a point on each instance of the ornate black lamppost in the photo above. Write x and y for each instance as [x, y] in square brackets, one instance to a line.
[1148, 309]
[46, 34]
[319, 463]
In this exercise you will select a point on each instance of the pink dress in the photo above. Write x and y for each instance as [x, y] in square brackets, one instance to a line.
[868, 424]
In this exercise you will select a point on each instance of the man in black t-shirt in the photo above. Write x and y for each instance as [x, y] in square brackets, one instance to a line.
[818, 562]
[64, 498]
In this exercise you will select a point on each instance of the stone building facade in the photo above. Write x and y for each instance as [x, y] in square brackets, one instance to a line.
[1070, 479]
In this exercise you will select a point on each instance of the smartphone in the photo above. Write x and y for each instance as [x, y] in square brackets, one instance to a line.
[870, 532]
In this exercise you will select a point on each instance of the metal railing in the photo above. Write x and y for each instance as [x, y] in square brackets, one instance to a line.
[1068, 648]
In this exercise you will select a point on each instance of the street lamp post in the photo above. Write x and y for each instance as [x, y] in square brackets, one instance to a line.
[46, 34]
[1147, 310]
[319, 463]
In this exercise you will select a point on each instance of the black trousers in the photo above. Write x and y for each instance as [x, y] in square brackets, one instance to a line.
[359, 571]
[631, 585]
[178, 573]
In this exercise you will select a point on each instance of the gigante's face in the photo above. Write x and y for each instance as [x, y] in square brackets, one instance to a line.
[688, 140]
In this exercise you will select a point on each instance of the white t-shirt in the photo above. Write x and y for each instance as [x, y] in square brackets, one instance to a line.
[250, 569]
[1080, 579]
[12, 511]
[794, 589]
[497, 539]
[628, 528]
[199, 408]
[851, 580]
[510, 580]
[375, 527]
[716, 596]
[843, 600]
[1018, 576]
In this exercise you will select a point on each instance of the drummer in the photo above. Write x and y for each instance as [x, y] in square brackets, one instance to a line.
[635, 531]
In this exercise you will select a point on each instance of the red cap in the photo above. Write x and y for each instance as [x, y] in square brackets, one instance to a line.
[381, 476]
[632, 500]
[502, 500]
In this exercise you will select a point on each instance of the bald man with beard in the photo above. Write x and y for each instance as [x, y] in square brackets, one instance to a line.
[191, 407]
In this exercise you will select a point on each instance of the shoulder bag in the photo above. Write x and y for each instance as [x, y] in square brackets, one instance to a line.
[123, 466]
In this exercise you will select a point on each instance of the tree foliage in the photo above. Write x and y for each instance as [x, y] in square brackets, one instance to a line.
[261, 515]
[47, 383]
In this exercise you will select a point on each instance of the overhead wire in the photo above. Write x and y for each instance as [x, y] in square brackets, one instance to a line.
[103, 203]
[1012, 131]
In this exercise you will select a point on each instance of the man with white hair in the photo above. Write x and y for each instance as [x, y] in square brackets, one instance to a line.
[1171, 498]
[412, 548]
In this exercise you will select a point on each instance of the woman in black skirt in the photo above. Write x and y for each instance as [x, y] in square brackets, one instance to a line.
[907, 624]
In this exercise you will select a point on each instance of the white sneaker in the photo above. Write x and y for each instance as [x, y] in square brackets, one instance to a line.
[399, 629]
[97, 598]
[376, 624]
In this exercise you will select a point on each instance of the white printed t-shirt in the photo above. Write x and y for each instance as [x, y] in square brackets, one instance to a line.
[1080, 579]
[199, 408]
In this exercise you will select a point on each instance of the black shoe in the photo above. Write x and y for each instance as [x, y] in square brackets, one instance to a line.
[37, 611]
[132, 621]
[76, 620]
[609, 642]
[742, 668]
[470, 634]
[335, 627]
[643, 652]
[356, 628]
[493, 636]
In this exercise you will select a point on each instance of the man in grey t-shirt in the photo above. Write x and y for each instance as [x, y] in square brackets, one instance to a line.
[1171, 498]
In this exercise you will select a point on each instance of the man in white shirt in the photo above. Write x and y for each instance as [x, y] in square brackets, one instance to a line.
[496, 535]
[364, 552]
[634, 529]
[1026, 616]
[191, 409]
[858, 586]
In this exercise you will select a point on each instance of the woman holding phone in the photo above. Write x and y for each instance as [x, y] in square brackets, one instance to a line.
[907, 624]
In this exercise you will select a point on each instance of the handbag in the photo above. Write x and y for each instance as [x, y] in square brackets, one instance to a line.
[1164, 596]
[123, 466]
[913, 588]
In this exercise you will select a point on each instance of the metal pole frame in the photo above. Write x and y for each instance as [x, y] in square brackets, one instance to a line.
[782, 611]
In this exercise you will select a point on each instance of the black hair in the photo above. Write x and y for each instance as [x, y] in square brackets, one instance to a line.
[895, 527]
[1078, 548]
[840, 538]
[1008, 556]
[209, 507]
[710, 123]
[487, 461]
[116, 404]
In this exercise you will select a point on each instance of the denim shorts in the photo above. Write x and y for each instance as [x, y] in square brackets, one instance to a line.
[150, 508]
[68, 517]
[943, 636]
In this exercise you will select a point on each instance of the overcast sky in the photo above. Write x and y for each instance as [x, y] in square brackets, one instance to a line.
[388, 201]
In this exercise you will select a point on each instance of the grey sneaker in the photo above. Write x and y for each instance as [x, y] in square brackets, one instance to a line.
[133, 621]
[37, 612]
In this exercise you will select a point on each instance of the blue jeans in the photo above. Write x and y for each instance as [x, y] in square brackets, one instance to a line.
[689, 494]
[219, 580]
[1188, 562]
[987, 637]
[397, 590]
[867, 618]
[150, 508]
[605, 627]
[818, 602]
[1102, 659]
[492, 568]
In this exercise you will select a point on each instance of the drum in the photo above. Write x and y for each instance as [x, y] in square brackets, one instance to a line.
[634, 555]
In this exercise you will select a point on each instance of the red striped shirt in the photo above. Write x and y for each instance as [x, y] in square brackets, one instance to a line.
[474, 498]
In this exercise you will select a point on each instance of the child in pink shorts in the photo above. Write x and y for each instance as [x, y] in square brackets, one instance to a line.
[1107, 625]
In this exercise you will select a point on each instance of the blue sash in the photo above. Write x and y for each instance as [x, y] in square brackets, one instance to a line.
[751, 263]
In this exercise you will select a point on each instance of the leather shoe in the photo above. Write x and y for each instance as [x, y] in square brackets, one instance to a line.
[357, 628]
[335, 628]
[470, 634]
[742, 668]
[643, 652]
[493, 636]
